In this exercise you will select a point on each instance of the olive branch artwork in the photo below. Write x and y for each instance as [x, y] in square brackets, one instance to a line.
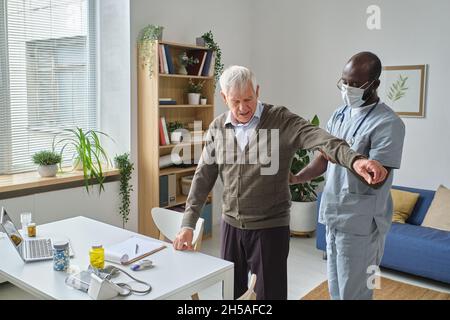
[398, 89]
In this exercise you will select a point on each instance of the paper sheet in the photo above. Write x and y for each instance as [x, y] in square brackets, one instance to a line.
[130, 249]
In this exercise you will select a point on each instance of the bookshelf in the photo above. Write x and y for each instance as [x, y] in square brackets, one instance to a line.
[150, 91]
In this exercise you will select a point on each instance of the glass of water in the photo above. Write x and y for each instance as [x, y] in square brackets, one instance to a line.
[25, 219]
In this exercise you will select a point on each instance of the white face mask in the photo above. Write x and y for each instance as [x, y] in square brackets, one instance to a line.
[353, 97]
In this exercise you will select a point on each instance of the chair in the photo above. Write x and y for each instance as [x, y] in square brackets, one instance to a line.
[250, 293]
[168, 223]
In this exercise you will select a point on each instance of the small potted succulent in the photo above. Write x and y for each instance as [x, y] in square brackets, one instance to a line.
[47, 162]
[203, 100]
[194, 91]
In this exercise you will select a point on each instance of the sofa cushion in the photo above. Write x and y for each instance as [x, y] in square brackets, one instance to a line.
[404, 203]
[422, 205]
[438, 215]
[418, 250]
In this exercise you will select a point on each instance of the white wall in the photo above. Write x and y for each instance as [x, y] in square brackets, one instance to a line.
[185, 20]
[300, 49]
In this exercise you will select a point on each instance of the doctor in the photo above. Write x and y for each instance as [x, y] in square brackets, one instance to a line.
[357, 215]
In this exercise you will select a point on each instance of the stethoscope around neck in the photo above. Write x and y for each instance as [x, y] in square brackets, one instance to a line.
[341, 116]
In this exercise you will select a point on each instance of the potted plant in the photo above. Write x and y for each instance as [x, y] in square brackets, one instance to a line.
[146, 45]
[185, 61]
[194, 91]
[210, 43]
[47, 162]
[88, 154]
[176, 136]
[304, 204]
[203, 100]
[126, 168]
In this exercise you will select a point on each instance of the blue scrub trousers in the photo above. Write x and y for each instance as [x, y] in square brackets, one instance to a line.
[348, 258]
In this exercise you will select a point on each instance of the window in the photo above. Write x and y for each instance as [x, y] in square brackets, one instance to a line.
[48, 73]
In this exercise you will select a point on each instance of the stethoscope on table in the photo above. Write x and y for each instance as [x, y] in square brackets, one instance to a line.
[341, 115]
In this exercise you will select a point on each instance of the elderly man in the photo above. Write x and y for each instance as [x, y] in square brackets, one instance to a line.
[357, 216]
[255, 227]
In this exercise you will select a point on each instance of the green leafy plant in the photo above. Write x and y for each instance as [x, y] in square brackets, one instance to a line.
[126, 168]
[304, 192]
[46, 158]
[172, 126]
[195, 87]
[88, 152]
[398, 89]
[146, 45]
[208, 37]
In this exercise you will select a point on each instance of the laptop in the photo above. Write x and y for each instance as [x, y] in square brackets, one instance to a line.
[29, 249]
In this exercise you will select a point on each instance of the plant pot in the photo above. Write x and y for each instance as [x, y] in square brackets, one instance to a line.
[176, 137]
[303, 217]
[203, 101]
[193, 98]
[48, 171]
[199, 41]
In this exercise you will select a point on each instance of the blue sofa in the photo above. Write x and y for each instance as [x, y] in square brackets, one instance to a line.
[410, 247]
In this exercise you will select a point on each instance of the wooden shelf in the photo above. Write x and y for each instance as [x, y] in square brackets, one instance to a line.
[175, 170]
[169, 106]
[170, 146]
[181, 45]
[185, 76]
[181, 199]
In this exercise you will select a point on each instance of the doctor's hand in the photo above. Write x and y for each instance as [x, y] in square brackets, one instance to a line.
[371, 170]
[183, 240]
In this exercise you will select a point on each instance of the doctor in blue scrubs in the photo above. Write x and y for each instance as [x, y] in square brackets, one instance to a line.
[357, 215]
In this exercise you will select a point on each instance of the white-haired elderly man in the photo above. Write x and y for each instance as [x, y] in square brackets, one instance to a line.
[256, 202]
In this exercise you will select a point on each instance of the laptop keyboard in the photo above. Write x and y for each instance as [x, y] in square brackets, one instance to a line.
[39, 248]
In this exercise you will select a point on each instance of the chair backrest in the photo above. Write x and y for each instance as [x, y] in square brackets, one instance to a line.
[250, 293]
[168, 223]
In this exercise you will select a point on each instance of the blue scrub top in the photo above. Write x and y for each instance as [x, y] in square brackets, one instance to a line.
[348, 204]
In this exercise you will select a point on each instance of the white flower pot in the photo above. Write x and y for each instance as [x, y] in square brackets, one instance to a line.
[194, 98]
[303, 217]
[175, 137]
[48, 171]
[203, 101]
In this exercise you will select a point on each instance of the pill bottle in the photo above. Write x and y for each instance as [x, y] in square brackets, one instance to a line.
[97, 256]
[61, 257]
[31, 228]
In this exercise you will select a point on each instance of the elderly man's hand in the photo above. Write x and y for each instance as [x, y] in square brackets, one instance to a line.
[183, 240]
[295, 179]
[371, 170]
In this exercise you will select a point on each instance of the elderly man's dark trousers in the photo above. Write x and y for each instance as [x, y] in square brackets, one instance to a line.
[263, 252]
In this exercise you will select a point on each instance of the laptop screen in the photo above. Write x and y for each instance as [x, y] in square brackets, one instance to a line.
[11, 230]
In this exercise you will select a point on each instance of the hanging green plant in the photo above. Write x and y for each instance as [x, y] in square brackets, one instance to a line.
[211, 44]
[126, 169]
[146, 45]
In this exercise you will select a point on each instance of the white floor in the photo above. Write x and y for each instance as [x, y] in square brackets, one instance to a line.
[306, 270]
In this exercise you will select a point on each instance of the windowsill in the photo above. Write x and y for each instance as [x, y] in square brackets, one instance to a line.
[22, 184]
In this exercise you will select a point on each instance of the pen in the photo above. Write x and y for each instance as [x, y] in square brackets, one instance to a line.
[137, 248]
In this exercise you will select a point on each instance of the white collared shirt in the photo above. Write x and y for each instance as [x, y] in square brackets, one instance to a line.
[243, 130]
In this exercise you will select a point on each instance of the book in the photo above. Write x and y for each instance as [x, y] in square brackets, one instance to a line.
[166, 102]
[169, 59]
[207, 65]
[162, 138]
[132, 250]
[202, 64]
[172, 189]
[164, 58]
[212, 65]
[163, 191]
[161, 60]
[166, 133]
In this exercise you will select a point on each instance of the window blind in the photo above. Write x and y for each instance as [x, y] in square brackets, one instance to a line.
[48, 65]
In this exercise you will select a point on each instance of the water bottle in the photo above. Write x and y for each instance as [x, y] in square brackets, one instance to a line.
[61, 257]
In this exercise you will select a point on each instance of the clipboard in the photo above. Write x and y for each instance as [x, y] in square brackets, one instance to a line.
[125, 254]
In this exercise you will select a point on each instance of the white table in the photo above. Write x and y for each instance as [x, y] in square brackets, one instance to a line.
[176, 275]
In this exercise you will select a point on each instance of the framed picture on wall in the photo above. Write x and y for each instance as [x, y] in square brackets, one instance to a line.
[403, 89]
